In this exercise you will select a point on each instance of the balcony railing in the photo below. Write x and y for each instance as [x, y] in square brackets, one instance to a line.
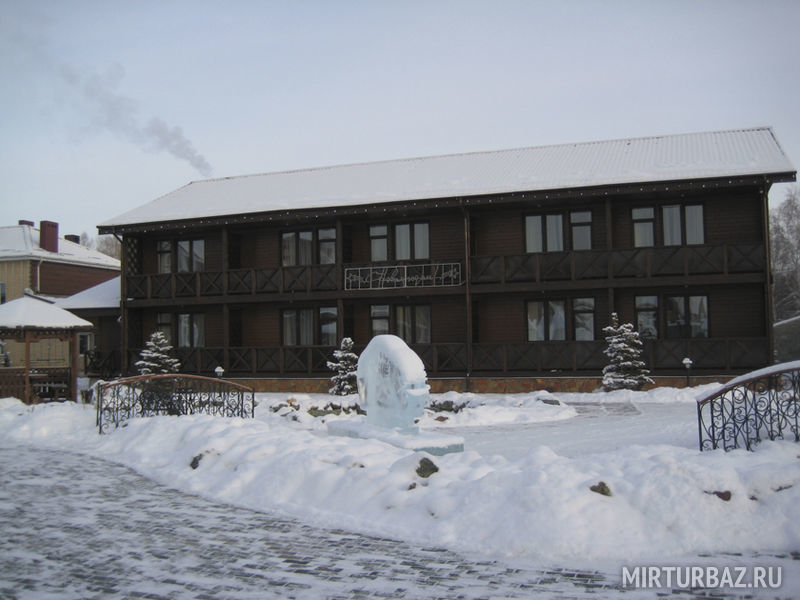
[618, 264]
[551, 266]
[451, 359]
[275, 280]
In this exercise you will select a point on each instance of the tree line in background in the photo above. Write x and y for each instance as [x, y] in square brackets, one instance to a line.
[107, 244]
[784, 242]
[784, 226]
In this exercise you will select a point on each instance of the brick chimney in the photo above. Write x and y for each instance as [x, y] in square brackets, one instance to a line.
[24, 222]
[48, 236]
[71, 237]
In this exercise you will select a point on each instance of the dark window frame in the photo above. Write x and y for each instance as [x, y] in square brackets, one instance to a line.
[546, 323]
[190, 255]
[194, 319]
[315, 252]
[686, 329]
[580, 310]
[317, 324]
[414, 321]
[579, 225]
[644, 220]
[414, 232]
[653, 312]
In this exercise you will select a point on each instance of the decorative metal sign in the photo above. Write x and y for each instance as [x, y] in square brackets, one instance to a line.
[402, 276]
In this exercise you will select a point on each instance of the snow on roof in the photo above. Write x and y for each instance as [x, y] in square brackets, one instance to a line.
[31, 312]
[21, 242]
[650, 159]
[102, 295]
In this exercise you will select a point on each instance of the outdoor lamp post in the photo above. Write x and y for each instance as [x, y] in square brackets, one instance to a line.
[218, 371]
[687, 362]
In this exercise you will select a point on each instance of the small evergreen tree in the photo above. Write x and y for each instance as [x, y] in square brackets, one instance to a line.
[344, 367]
[156, 358]
[625, 370]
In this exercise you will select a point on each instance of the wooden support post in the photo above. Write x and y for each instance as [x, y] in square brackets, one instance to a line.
[27, 398]
[73, 370]
[468, 290]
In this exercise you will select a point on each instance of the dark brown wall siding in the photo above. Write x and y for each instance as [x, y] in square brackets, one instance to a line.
[214, 330]
[498, 232]
[449, 318]
[213, 250]
[733, 311]
[737, 312]
[501, 319]
[261, 326]
[734, 219]
[65, 280]
[447, 237]
[730, 218]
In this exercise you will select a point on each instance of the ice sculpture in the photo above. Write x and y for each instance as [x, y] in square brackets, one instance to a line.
[391, 384]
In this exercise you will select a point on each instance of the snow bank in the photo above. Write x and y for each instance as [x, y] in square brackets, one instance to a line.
[665, 501]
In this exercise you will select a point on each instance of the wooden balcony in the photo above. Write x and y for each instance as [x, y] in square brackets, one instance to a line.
[619, 264]
[274, 280]
[492, 359]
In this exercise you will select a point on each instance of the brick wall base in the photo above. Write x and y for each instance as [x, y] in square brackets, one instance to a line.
[479, 385]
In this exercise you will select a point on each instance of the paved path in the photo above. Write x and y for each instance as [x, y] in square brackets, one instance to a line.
[72, 526]
[77, 527]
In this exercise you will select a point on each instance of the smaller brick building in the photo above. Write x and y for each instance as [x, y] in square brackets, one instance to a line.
[44, 263]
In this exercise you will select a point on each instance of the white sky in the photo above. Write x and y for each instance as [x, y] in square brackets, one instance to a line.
[108, 104]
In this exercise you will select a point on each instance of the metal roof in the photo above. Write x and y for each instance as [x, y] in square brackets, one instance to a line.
[740, 152]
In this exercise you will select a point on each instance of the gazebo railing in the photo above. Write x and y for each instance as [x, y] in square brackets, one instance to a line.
[758, 406]
[151, 395]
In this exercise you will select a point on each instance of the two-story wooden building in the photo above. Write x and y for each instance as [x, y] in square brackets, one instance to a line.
[490, 265]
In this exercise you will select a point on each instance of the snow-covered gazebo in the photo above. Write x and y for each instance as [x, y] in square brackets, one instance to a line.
[30, 319]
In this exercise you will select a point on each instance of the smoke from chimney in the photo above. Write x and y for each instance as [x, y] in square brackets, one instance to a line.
[118, 114]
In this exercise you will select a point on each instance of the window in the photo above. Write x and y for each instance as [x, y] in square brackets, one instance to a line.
[191, 256]
[544, 233]
[583, 317]
[379, 242]
[411, 241]
[643, 227]
[581, 222]
[379, 316]
[414, 323]
[328, 318]
[164, 325]
[298, 327]
[85, 343]
[687, 316]
[647, 316]
[546, 321]
[327, 246]
[678, 220]
[191, 330]
[164, 254]
[695, 228]
[2, 293]
[297, 248]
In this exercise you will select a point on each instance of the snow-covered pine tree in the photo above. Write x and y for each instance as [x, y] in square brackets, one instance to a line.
[625, 370]
[344, 367]
[156, 358]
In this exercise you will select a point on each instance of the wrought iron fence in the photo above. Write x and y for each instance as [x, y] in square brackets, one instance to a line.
[762, 405]
[151, 395]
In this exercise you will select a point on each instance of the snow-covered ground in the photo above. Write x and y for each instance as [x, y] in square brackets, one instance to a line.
[521, 489]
